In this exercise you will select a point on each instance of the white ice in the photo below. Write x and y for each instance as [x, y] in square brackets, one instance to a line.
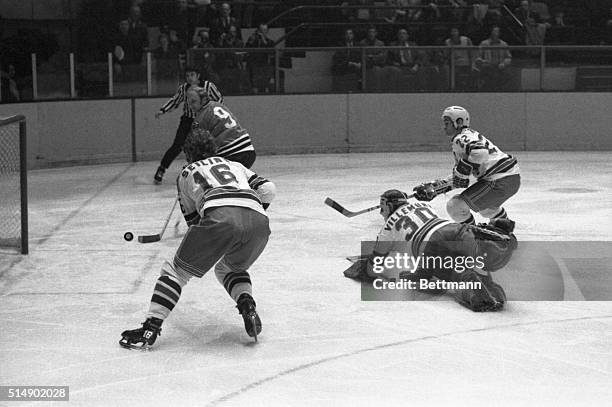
[64, 305]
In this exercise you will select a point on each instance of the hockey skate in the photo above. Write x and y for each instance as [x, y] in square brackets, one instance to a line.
[159, 175]
[246, 308]
[142, 338]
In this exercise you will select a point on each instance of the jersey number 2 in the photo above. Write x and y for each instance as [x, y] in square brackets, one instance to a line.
[224, 114]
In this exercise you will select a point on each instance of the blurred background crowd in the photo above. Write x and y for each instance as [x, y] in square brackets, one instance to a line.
[175, 32]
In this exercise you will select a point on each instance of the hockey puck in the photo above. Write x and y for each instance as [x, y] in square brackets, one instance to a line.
[128, 236]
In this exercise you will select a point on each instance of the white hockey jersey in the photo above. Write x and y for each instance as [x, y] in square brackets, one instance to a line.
[488, 161]
[408, 228]
[214, 182]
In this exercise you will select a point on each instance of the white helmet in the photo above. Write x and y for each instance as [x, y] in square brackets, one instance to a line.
[454, 113]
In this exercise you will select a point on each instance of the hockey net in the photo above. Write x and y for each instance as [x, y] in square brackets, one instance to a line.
[13, 184]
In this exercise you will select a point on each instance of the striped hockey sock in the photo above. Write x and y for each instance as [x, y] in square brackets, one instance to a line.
[165, 296]
[470, 220]
[237, 283]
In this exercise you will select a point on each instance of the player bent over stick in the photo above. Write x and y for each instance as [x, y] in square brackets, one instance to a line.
[497, 173]
[415, 229]
[223, 204]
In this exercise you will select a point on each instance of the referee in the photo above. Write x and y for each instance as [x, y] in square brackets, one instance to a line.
[192, 78]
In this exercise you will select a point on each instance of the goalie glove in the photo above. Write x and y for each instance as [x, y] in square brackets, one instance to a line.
[429, 190]
[461, 174]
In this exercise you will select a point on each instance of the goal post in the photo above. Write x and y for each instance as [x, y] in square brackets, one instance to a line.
[13, 183]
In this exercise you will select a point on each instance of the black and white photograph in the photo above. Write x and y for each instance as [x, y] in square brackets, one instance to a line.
[312, 203]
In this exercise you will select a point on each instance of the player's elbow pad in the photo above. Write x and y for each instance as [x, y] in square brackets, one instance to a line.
[267, 192]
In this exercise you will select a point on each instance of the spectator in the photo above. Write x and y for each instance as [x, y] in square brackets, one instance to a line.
[176, 42]
[462, 58]
[492, 62]
[138, 29]
[182, 20]
[10, 93]
[165, 51]
[559, 32]
[206, 58]
[374, 57]
[234, 77]
[223, 22]
[405, 57]
[260, 64]
[534, 25]
[349, 60]
[231, 39]
[126, 48]
[405, 62]
[166, 58]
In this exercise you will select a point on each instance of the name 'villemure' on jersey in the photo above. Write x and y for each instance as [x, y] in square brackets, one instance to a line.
[229, 136]
[409, 227]
[492, 163]
[215, 182]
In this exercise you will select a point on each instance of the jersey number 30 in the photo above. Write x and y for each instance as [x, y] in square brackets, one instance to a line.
[224, 114]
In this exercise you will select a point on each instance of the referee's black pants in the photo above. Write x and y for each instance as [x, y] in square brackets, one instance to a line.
[177, 146]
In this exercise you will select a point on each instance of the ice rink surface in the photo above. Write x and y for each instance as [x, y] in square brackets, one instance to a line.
[64, 306]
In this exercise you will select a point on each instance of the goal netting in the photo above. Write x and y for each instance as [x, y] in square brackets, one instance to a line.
[13, 184]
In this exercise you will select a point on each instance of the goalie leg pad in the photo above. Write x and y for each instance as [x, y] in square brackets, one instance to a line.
[489, 297]
[458, 209]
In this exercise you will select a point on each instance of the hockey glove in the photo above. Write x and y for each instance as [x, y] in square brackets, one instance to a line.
[461, 174]
[429, 190]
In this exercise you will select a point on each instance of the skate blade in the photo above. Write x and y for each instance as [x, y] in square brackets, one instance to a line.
[254, 324]
[141, 347]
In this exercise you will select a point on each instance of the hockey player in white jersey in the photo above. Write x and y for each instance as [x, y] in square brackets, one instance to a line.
[223, 203]
[497, 173]
[414, 229]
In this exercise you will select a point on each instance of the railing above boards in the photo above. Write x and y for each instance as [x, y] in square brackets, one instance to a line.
[105, 79]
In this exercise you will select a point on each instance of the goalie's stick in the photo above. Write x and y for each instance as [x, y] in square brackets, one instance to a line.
[349, 214]
[157, 237]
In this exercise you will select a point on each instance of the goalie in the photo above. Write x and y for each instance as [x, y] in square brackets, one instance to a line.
[497, 173]
[416, 227]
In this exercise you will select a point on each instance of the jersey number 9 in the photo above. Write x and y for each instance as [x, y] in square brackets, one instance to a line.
[224, 114]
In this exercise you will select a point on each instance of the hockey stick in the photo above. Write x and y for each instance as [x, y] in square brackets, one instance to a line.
[157, 237]
[349, 214]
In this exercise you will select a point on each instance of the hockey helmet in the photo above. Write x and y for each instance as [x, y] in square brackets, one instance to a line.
[391, 200]
[454, 113]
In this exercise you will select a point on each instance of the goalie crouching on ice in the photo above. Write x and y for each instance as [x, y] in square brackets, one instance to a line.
[416, 228]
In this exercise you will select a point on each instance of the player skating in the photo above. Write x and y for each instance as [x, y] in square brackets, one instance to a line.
[231, 139]
[415, 229]
[192, 78]
[223, 203]
[497, 173]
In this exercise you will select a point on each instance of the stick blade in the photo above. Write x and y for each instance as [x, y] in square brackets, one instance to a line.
[336, 206]
[149, 238]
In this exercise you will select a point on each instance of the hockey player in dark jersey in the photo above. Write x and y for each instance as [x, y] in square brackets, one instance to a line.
[497, 173]
[231, 139]
[223, 203]
[192, 78]
[414, 229]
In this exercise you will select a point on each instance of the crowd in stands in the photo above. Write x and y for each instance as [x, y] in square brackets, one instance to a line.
[173, 29]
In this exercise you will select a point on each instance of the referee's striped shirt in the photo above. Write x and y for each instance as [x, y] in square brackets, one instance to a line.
[174, 102]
